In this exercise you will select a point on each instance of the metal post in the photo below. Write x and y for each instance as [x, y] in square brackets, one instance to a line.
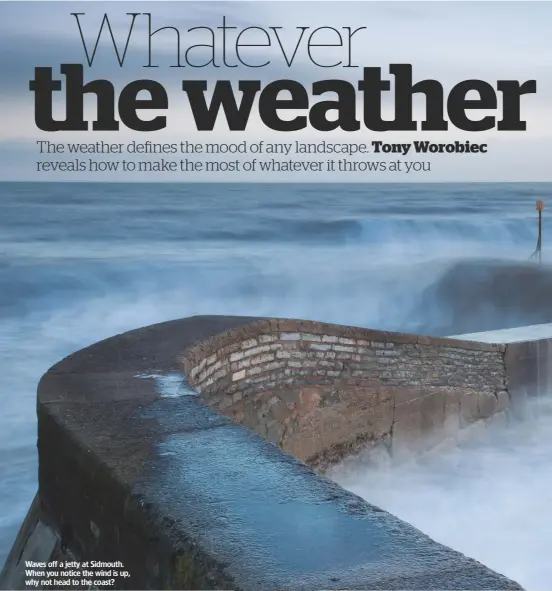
[540, 207]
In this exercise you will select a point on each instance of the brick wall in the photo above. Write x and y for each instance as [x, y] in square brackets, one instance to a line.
[322, 391]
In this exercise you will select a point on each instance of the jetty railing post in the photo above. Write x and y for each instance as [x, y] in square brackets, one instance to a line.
[540, 207]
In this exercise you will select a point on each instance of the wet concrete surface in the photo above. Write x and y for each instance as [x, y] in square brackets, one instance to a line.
[277, 524]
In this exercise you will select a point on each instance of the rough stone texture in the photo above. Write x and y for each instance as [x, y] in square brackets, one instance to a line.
[322, 391]
[529, 368]
[188, 499]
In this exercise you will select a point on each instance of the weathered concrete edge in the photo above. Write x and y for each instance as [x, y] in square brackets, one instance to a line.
[118, 491]
[528, 368]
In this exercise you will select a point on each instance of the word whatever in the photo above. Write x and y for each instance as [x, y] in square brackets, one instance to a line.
[228, 45]
[205, 114]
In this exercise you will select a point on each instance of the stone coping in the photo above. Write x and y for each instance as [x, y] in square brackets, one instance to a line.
[534, 332]
[186, 498]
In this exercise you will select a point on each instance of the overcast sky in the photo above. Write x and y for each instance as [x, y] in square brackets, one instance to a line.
[449, 41]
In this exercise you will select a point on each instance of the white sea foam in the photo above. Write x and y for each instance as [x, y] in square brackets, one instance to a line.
[490, 500]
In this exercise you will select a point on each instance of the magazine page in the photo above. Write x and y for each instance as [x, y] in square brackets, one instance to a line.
[275, 294]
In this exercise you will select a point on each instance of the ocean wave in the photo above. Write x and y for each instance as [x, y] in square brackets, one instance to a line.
[417, 229]
[377, 230]
[300, 226]
[482, 295]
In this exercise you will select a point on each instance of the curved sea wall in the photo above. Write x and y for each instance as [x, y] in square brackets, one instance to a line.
[156, 449]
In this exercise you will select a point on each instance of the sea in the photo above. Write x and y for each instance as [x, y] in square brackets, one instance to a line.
[80, 262]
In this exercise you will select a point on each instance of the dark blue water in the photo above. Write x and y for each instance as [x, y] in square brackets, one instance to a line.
[80, 262]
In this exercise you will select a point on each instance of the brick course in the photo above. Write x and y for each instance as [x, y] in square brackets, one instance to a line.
[313, 388]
